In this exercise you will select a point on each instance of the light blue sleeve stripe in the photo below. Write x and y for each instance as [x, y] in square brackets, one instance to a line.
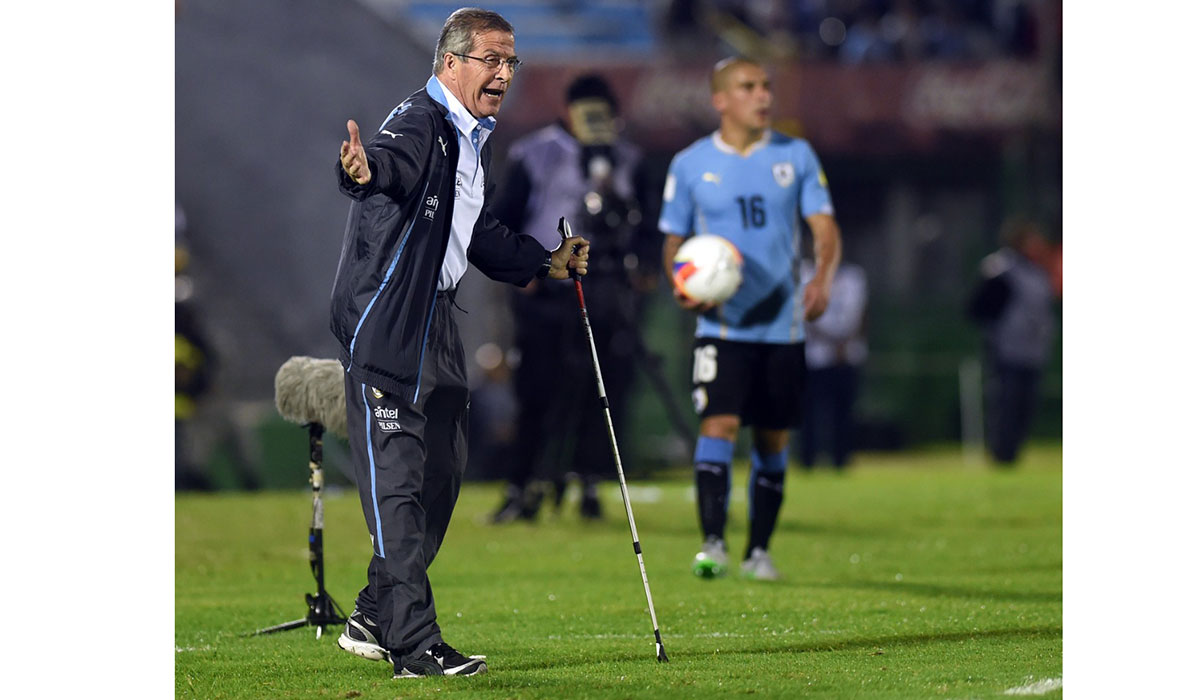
[374, 497]
[387, 276]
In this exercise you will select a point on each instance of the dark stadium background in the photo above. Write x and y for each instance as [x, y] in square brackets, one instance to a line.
[926, 156]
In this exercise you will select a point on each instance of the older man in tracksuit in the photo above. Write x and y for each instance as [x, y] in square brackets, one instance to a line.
[418, 217]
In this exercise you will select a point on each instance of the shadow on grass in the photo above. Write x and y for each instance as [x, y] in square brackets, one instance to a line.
[936, 591]
[842, 529]
[689, 528]
[907, 640]
[774, 645]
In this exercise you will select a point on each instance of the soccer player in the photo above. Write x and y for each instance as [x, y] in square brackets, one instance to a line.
[750, 185]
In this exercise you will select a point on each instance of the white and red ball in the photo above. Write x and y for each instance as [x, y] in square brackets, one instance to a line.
[707, 268]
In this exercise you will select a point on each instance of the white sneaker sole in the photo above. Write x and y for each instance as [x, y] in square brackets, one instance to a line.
[366, 650]
[470, 669]
[464, 670]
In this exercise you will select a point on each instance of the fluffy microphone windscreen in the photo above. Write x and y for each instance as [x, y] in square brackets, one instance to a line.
[311, 390]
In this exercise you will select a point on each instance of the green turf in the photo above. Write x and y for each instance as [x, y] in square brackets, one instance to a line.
[909, 577]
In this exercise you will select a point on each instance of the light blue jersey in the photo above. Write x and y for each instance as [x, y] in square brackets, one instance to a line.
[756, 201]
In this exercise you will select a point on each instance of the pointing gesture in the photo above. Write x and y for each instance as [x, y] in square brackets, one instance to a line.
[354, 158]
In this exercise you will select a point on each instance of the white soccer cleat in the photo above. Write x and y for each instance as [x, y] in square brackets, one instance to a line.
[758, 566]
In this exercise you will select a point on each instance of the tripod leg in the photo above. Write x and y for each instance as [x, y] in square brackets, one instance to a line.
[282, 627]
[322, 610]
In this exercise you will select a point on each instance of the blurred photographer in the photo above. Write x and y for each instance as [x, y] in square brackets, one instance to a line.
[1013, 304]
[579, 167]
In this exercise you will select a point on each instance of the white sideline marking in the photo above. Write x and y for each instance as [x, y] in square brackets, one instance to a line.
[1036, 688]
[179, 650]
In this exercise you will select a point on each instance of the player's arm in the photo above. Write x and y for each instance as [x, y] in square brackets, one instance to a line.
[827, 249]
[671, 243]
[675, 220]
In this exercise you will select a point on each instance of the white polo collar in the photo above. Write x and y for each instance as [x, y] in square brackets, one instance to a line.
[726, 148]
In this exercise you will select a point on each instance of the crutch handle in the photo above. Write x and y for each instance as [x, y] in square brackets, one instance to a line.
[564, 230]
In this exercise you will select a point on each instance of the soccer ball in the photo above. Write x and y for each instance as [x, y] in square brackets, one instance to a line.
[707, 269]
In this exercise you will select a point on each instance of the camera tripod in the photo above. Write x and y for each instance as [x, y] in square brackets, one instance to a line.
[322, 609]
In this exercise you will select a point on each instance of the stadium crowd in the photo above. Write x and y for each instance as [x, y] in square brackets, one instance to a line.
[861, 31]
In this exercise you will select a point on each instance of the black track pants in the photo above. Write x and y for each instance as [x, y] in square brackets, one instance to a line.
[409, 453]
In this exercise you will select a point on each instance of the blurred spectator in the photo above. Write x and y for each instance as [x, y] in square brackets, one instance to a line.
[206, 423]
[580, 168]
[682, 28]
[856, 31]
[949, 34]
[1013, 303]
[901, 27]
[835, 349]
[865, 41]
[193, 365]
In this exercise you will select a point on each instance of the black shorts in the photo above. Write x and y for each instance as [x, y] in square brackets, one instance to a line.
[762, 383]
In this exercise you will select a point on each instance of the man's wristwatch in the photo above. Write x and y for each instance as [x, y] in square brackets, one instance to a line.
[544, 270]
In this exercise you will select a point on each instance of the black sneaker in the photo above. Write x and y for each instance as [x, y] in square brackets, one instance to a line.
[442, 660]
[510, 508]
[531, 500]
[589, 506]
[361, 637]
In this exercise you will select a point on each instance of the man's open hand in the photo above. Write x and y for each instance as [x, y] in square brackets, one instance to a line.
[354, 158]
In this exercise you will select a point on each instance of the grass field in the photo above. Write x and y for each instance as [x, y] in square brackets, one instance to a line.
[911, 576]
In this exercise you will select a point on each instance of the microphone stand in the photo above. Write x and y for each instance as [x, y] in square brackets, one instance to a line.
[322, 610]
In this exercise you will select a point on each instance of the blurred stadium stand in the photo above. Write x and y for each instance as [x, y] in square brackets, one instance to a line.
[544, 29]
[926, 151]
[850, 31]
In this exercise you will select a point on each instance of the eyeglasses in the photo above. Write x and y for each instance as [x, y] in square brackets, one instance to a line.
[493, 62]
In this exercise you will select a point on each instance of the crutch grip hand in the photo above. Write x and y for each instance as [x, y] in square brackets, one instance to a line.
[570, 258]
